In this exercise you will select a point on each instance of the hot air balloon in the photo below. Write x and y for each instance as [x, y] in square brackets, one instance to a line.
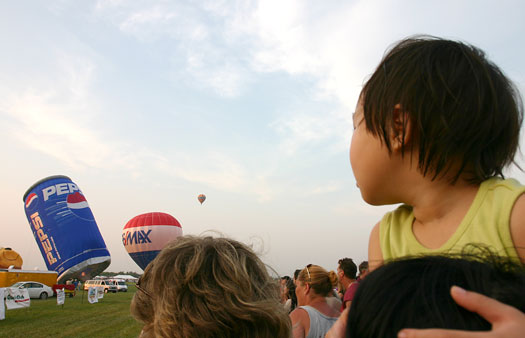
[65, 229]
[201, 198]
[145, 235]
[9, 257]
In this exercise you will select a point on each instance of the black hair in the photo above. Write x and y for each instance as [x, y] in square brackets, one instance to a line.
[291, 293]
[296, 273]
[348, 266]
[363, 267]
[465, 114]
[415, 293]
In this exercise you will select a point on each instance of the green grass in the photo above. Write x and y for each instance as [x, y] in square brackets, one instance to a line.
[110, 317]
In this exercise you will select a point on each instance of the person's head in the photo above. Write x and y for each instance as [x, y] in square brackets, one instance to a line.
[454, 111]
[363, 269]
[295, 275]
[314, 281]
[209, 287]
[290, 289]
[415, 293]
[346, 268]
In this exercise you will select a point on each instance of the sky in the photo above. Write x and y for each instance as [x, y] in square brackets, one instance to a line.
[147, 104]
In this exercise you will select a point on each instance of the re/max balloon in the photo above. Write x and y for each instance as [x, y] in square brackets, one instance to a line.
[145, 235]
[65, 229]
[201, 198]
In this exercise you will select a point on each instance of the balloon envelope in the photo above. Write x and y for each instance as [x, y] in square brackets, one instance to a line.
[145, 235]
[65, 229]
[201, 198]
[9, 257]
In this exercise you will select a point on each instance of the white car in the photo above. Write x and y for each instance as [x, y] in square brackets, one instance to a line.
[35, 289]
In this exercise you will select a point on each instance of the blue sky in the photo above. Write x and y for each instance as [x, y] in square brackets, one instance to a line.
[146, 104]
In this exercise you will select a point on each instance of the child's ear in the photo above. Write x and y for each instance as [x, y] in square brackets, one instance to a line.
[401, 128]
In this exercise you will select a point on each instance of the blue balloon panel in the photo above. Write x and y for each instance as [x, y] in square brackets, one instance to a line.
[65, 229]
[144, 258]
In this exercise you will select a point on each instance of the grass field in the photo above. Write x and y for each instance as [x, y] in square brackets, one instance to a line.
[110, 317]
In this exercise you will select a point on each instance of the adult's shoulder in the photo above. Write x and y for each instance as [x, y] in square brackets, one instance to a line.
[300, 322]
[298, 314]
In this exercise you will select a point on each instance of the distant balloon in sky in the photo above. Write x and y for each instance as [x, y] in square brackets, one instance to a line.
[201, 198]
[65, 229]
[145, 235]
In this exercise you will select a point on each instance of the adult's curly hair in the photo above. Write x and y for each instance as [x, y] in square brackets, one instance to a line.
[210, 287]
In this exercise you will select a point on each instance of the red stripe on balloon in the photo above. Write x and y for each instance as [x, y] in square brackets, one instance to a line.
[152, 218]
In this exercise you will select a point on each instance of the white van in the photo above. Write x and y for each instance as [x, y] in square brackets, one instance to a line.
[98, 283]
[120, 284]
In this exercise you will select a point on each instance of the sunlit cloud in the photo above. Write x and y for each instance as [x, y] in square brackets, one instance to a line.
[224, 44]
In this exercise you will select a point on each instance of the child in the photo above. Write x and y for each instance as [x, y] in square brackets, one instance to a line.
[434, 127]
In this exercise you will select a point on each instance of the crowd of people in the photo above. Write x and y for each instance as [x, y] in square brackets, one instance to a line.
[218, 287]
[434, 128]
[320, 296]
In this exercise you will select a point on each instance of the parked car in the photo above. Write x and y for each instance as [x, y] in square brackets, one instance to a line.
[98, 283]
[120, 284]
[35, 289]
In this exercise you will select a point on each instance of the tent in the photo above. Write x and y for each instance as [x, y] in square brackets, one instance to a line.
[127, 278]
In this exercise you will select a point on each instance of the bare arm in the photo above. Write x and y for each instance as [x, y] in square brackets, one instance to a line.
[299, 318]
[517, 227]
[375, 256]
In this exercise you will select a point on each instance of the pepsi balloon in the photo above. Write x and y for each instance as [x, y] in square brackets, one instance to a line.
[65, 229]
[145, 235]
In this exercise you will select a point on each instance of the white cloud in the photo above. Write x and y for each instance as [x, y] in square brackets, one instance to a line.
[210, 61]
[225, 80]
[60, 116]
[306, 130]
[219, 171]
[154, 16]
[326, 188]
[56, 129]
[42, 124]
[225, 43]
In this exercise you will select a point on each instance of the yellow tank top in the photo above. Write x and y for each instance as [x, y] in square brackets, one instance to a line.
[487, 221]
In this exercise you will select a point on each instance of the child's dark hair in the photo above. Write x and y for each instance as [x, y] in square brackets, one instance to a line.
[465, 115]
[415, 293]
